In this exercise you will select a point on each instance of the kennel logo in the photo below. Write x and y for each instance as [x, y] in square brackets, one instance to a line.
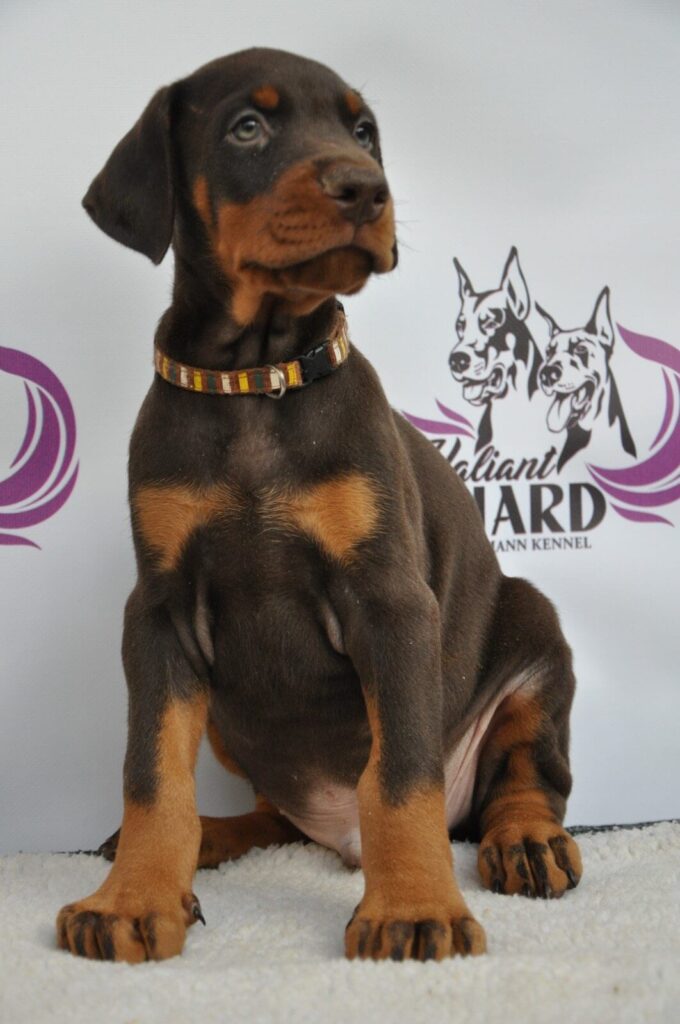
[546, 403]
[43, 472]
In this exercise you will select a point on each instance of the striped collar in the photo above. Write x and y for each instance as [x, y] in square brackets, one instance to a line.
[271, 380]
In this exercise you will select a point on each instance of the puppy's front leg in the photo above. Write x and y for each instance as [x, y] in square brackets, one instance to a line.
[412, 906]
[143, 908]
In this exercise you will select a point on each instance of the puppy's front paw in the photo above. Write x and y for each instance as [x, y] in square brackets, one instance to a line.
[412, 935]
[134, 929]
[533, 859]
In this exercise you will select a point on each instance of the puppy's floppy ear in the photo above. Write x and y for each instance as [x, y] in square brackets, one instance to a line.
[132, 198]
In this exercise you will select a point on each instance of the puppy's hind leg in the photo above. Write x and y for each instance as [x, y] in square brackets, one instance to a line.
[523, 776]
[229, 838]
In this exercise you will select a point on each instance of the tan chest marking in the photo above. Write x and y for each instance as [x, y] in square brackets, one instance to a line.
[338, 514]
[167, 515]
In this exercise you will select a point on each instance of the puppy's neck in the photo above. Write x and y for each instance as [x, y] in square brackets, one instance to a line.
[199, 329]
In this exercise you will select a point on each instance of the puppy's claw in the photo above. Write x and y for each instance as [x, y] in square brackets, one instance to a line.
[109, 847]
[197, 912]
[192, 909]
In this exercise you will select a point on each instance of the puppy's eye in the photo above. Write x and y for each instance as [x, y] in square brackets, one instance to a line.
[364, 133]
[248, 129]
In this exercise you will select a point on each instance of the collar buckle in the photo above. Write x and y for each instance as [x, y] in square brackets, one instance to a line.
[315, 363]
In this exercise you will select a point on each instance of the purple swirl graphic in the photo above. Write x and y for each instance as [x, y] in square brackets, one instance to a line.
[652, 482]
[454, 423]
[44, 473]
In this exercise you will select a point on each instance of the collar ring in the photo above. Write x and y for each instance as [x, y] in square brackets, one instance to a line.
[283, 383]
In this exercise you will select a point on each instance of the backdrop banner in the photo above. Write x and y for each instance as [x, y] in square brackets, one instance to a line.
[530, 331]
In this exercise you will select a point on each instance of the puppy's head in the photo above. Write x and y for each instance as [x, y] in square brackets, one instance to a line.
[267, 163]
[576, 368]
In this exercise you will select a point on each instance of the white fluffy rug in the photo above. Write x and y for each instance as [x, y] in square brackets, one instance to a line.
[272, 948]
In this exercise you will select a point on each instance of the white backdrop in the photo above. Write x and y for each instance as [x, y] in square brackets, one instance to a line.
[549, 126]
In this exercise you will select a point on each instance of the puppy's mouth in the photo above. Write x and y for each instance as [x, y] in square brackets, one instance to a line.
[494, 386]
[344, 269]
[375, 241]
[568, 409]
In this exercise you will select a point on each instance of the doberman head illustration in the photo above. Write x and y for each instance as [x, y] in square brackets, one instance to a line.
[495, 349]
[576, 374]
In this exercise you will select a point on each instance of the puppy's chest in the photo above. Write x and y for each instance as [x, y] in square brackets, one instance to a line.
[336, 514]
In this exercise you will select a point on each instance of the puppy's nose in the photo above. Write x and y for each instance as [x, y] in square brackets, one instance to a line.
[360, 192]
[550, 374]
[459, 362]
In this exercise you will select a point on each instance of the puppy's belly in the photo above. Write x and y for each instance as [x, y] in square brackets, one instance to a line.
[331, 815]
[331, 818]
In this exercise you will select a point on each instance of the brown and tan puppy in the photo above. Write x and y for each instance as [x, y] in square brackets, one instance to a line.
[315, 587]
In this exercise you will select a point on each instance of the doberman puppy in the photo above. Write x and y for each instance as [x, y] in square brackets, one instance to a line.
[315, 587]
